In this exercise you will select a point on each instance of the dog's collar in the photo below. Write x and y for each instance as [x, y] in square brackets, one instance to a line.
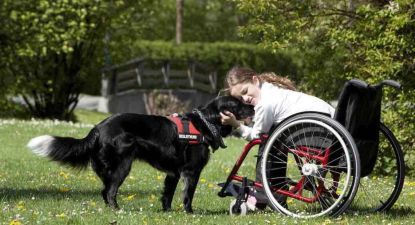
[212, 128]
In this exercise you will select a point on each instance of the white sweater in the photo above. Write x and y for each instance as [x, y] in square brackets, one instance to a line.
[276, 104]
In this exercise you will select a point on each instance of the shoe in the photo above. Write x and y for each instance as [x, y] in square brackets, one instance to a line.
[251, 202]
[261, 199]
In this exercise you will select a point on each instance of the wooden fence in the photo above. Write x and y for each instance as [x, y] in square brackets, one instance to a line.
[149, 74]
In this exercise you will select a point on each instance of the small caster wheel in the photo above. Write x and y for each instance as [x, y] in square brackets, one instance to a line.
[238, 211]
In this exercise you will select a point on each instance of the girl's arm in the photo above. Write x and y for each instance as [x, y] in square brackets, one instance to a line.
[263, 120]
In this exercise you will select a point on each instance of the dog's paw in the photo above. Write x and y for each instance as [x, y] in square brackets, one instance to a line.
[166, 209]
[189, 210]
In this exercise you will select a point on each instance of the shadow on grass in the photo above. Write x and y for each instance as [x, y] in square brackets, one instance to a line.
[210, 212]
[394, 212]
[9, 194]
[401, 212]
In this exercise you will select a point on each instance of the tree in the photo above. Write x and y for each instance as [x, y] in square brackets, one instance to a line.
[179, 20]
[51, 45]
[371, 40]
[204, 21]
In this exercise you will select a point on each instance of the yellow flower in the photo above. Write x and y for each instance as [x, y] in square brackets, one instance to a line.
[210, 185]
[327, 221]
[159, 177]
[63, 189]
[64, 175]
[130, 197]
[15, 222]
[62, 215]
[21, 206]
[152, 198]
[202, 180]
[410, 184]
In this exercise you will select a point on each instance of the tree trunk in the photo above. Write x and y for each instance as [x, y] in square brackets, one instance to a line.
[179, 20]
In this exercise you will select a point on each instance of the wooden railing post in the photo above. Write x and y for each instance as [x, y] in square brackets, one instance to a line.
[165, 70]
[190, 72]
[213, 79]
[138, 72]
[113, 82]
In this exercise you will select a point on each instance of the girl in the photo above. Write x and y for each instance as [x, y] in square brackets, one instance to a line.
[274, 99]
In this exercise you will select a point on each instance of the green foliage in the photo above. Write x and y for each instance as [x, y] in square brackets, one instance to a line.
[203, 21]
[9, 109]
[300, 27]
[381, 45]
[218, 55]
[399, 116]
[49, 46]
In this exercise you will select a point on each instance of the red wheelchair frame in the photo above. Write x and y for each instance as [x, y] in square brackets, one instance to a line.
[296, 190]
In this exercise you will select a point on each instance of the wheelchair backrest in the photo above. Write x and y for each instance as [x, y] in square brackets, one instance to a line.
[359, 111]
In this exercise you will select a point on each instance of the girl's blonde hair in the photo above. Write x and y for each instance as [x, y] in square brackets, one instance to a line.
[279, 81]
[238, 75]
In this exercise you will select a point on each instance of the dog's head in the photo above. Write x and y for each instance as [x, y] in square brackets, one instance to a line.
[212, 128]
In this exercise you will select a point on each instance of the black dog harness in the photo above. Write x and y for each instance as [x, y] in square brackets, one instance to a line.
[187, 131]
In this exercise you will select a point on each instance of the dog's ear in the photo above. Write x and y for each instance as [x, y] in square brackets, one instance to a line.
[211, 133]
[214, 142]
[213, 136]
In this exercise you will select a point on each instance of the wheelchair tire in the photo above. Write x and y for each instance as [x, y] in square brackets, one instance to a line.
[318, 167]
[380, 190]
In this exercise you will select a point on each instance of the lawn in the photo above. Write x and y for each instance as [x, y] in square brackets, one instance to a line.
[36, 191]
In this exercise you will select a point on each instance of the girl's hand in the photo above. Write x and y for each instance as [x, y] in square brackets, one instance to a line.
[227, 118]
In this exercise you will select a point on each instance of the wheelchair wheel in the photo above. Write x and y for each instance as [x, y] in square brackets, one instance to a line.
[234, 210]
[310, 167]
[380, 190]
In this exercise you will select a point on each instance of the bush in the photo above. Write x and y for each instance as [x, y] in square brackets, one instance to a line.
[9, 109]
[220, 56]
[161, 103]
[398, 116]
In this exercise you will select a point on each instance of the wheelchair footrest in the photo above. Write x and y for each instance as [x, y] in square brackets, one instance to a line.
[232, 189]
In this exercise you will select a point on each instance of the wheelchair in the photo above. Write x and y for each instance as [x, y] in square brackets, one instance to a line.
[313, 165]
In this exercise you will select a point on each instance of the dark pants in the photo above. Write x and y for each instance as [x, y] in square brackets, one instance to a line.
[278, 167]
[276, 174]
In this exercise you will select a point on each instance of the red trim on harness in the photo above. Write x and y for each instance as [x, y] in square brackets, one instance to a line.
[187, 131]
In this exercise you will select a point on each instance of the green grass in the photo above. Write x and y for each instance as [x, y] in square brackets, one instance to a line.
[34, 190]
[91, 117]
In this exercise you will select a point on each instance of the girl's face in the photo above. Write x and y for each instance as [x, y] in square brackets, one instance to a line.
[249, 92]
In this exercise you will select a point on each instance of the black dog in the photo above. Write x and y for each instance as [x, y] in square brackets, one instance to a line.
[112, 145]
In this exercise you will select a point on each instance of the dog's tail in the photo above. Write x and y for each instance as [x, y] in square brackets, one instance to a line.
[66, 150]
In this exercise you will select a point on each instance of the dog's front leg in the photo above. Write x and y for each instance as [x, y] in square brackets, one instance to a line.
[170, 184]
[191, 179]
